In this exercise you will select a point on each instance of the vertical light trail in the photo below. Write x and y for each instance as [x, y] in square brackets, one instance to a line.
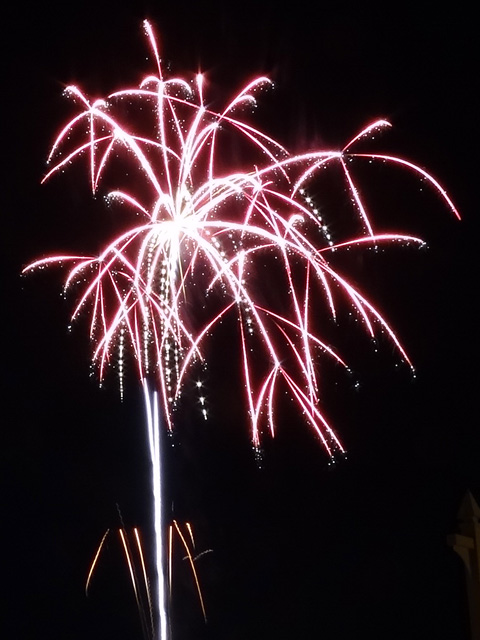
[154, 439]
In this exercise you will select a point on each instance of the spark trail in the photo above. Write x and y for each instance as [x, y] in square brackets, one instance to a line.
[217, 218]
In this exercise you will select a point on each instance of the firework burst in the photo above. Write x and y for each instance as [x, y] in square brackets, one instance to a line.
[207, 235]
[218, 224]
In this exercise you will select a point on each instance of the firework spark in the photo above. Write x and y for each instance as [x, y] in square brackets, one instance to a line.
[188, 544]
[219, 224]
[138, 574]
[139, 580]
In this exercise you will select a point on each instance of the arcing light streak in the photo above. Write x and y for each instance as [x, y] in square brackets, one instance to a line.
[145, 579]
[95, 560]
[225, 228]
[191, 560]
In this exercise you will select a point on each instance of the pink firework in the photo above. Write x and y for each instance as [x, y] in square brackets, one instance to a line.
[218, 225]
[221, 210]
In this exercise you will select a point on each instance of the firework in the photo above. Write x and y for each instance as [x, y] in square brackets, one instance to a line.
[218, 224]
[135, 560]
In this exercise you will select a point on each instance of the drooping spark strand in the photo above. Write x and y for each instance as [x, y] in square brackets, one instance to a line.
[130, 568]
[145, 579]
[94, 561]
[192, 564]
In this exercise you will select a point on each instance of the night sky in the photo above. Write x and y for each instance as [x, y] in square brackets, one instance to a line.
[299, 548]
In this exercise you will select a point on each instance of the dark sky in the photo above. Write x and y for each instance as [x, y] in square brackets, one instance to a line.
[298, 549]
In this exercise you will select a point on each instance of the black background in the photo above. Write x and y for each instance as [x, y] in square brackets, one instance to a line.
[299, 549]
